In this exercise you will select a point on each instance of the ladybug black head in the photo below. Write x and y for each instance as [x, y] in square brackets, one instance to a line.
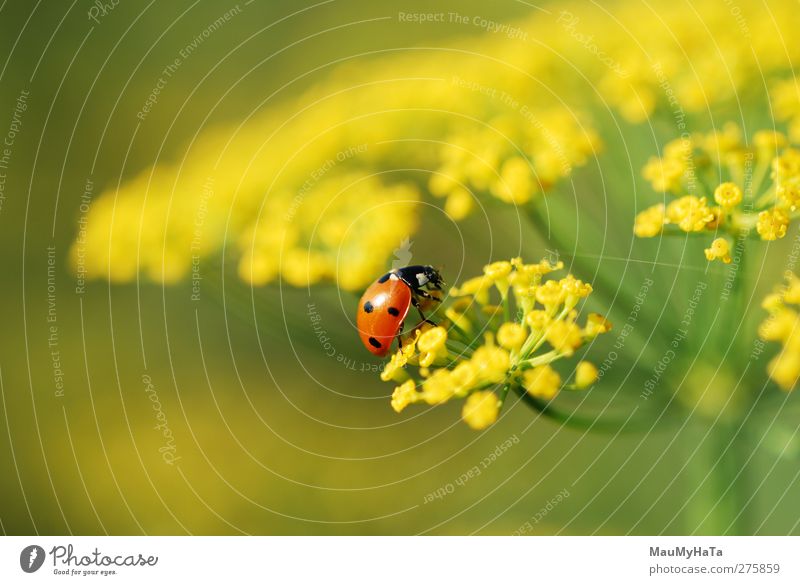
[435, 279]
[420, 276]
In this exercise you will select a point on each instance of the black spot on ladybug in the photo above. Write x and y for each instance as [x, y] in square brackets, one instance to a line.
[374, 343]
[385, 277]
[368, 307]
[394, 311]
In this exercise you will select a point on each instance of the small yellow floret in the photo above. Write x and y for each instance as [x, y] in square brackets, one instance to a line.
[586, 374]
[542, 382]
[728, 195]
[511, 335]
[649, 222]
[720, 250]
[772, 224]
[481, 410]
[404, 395]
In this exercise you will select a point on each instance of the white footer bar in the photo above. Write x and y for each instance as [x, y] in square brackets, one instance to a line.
[400, 560]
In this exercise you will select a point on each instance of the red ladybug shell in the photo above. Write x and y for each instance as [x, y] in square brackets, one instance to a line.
[381, 312]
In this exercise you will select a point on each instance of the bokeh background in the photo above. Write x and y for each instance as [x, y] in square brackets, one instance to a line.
[277, 420]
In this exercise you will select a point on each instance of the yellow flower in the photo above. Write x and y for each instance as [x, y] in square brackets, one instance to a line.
[438, 387]
[481, 410]
[432, 346]
[528, 274]
[537, 320]
[510, 347]
[516, 184]
[789, 192]
[719, 250]
[511, 336]
[728, 195]
[586, 374]
[691, 213]
[463, 377]
[779, 326]
[491, 363]
[768, 142]
[404, 395]
[786, 99]
[459, 204]
[542, 382]
[258, 270]
[551, 295]
[791, 293]
[679, 148]
[478, 287]
[498, 270]
[498, 273]
[458, 318]
[596, 325]
[720, 143]
[564, 336]
[650, 221]
[784, 369]
[772, 302]
[574, 290]
[394, 370]
[664, 174]
[783, 326]
[772, 224]
[444, 182]
[303, 267]
[786, 166]
[723, 153]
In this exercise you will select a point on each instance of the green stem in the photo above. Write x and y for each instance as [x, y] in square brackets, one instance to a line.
[539, 360]
[758, 177]
[594, 424]
[504, 394]
[603, 285]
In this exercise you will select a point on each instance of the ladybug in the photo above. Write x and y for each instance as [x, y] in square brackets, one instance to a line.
[385, 304]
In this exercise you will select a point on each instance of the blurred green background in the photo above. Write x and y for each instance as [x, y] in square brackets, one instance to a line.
[270, 434]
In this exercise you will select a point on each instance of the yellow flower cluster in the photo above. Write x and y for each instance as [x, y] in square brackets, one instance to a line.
[345, 232]
[484, 347]
[325, 186]
[765, 201]
[489, 158]
[651, 56]
[785, 101]
[783, 326]
[483, 116]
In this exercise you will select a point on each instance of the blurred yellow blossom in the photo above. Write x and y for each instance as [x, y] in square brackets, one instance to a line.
[404, 395]
[772, 223]
[511, 335]
[481, 409]
[650, 222]
[488, 120]
[783, 326]
[542, 382]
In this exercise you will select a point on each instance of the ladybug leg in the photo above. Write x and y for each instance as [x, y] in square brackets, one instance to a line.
[400, 336]
[415, 302]
[426, 295]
